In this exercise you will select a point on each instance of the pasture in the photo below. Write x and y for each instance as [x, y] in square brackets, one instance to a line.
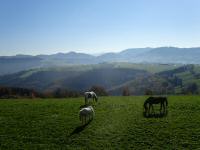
[118, 124]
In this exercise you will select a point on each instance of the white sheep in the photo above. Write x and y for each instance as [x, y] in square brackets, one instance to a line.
[86, 112]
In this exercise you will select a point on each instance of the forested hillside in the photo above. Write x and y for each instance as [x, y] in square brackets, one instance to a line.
[114, 78]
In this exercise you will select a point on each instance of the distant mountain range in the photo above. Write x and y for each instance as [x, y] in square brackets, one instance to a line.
[163, 55]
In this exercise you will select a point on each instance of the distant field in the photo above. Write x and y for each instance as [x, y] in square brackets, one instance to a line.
[118, 124]
[152, 68]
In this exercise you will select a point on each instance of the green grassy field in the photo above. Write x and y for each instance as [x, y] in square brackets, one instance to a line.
[118, 124]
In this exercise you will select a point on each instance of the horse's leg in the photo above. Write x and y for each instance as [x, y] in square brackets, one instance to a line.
[85, 100]
[153, 109]
[160, 107]
[82, 120]
[146, 111]
[149, 109]
[164, 108]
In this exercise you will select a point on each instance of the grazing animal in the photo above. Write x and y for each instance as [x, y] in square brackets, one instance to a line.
[85, 113]
[155, 100]
[91, 95]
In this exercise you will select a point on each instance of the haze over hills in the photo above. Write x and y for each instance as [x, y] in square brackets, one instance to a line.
[113, 77]
[12, 64]
[79, 78]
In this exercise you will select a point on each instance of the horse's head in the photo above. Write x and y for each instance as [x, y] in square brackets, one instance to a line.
[145, 106]
[146, 102]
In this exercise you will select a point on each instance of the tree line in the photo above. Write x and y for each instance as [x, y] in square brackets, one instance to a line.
[15, 92]
[166, 87]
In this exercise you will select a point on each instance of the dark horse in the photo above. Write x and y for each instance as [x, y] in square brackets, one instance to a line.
[148, 104]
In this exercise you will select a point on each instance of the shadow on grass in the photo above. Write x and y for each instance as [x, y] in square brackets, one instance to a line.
[155, 115]
[80, 128]
[86, 105]
[82, 106]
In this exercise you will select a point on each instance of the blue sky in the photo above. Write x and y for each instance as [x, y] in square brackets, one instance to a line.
[96, 26]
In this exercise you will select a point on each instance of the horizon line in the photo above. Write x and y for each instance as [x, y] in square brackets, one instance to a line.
[95, 54]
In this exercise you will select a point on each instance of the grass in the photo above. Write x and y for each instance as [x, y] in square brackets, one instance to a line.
[152, 68]
[118, 124]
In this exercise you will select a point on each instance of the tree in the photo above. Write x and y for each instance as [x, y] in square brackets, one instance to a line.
[165, 85]
[126, 91]
[99, 90]
[191, 88]
[148, 92]
[58, 93]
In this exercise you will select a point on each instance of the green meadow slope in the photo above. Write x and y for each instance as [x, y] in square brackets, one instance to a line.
[82, 77]
[118, 124]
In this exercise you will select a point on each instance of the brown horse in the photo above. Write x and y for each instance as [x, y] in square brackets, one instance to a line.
[155, 100]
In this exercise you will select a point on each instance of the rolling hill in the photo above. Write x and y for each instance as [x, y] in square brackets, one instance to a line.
[114, 77]
[162, 55]
[78, 78]
[171, 55]
[13, 64]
